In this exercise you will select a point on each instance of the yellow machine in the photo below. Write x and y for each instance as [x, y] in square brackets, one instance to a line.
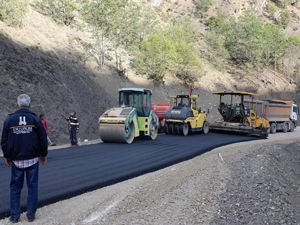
[133, 117]
[185, 116]
[239, 115]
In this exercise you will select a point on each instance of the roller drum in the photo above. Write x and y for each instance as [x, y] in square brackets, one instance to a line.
[116, 133]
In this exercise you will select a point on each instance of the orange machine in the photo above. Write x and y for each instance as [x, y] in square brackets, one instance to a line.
[161, 109]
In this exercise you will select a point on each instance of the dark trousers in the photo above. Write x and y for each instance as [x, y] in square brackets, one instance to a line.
[73, 135]
[16, 185]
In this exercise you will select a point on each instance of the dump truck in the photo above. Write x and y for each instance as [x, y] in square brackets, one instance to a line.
[185, 117]
[133, 117]
[239, 117]
[161, 109]
[282, 114]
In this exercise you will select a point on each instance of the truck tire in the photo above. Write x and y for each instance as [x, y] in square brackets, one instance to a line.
[184, 129]
[292, 127]
[285, 127]
[205, 128]
[273, 128]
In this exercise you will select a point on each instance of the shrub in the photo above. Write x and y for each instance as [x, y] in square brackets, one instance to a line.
[217, 50]
[62, 11]
[294, 40]
[271, 8]
[249, 40]
[285, 18]
[171, 50]
[155, 57]
[12, 12]
[202, 6]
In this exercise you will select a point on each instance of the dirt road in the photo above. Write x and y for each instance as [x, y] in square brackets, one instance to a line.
[247, 183]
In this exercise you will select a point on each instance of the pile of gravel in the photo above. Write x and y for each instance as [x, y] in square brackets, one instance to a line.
[264, 188]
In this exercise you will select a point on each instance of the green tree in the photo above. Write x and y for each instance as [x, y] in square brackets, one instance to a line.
[273, 44]
[155, 56]
[101, 16]
[129, 28]
[187, 64]
[62, 11]
[171, 50]
[216, 47]
[250, 40]
[12, 12]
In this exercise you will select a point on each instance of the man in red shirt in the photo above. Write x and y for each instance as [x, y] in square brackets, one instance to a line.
[42, 117]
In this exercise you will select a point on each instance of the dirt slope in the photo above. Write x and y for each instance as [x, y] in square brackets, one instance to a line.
[56, 86]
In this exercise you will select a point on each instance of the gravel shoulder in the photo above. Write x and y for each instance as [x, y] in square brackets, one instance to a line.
[254, 182]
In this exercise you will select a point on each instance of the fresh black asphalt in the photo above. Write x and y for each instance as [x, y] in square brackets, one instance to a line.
[73, 171]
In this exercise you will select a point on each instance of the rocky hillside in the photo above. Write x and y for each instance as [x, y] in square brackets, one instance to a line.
[49, 61]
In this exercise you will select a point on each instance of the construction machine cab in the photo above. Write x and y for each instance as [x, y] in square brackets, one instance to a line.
[138, 98]
[234, 110]
[180, 101]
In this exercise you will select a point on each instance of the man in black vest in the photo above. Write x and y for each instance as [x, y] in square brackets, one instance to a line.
[73, 128]
[24, 143]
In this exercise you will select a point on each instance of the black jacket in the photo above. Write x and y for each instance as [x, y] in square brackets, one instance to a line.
[23, 136]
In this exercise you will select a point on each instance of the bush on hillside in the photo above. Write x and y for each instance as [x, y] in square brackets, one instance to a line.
[155, 57]
[249, 40]
[62, 11]
[12, 12]
[280, 16]
[172, 50]
[202, 6]
[284, 19]
[294, 41]
[217, 51]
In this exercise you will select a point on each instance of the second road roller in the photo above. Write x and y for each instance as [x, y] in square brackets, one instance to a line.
[185, 116]
[133, 117]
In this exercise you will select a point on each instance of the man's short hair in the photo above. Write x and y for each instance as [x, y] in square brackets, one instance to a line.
[23, 100]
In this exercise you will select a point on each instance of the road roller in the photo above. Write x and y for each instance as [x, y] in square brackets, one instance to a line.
[133, 117]
[239, 115]
[185, 117]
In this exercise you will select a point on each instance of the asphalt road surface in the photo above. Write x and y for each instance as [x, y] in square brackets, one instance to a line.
[73, 171]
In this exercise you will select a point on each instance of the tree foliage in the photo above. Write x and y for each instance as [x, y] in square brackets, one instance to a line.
[170, 50]
[100, 15]
[155, 56]
[12, 12]
[62, 11]
[249, 39]
[124, 23]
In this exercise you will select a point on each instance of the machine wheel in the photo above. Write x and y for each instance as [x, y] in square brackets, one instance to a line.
[292, 127]
[153, 130]
[130, 136]
[171, 128]
[185, 129]
[205, 128]
[273, 128]
[167, 130]
[177, 129]
[285, 127]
